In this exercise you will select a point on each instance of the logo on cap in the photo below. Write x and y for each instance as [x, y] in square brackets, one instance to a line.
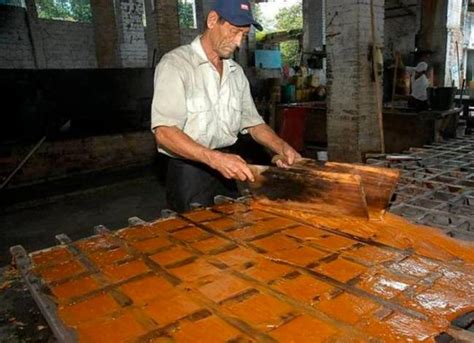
[244, 7]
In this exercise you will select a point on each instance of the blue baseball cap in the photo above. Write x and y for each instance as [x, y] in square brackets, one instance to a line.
[236, 12]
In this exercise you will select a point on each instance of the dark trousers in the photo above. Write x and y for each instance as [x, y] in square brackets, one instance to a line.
[192, 182]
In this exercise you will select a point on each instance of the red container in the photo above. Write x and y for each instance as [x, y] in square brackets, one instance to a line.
[292, 129]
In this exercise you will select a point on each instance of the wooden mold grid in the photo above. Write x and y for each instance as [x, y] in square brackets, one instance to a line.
[437, 186]
[237, 274]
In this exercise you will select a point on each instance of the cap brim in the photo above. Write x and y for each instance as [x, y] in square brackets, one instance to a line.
[253, 23]
[243, 22]
[257, 26]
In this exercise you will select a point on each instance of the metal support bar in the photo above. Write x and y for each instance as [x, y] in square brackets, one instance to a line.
[63, 239]
[46, 306]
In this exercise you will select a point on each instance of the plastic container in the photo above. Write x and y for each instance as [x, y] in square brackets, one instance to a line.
[441, 98]
[292, 129]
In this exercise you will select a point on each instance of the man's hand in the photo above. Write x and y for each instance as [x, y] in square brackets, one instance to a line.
[231, 166]
[289, 155]
[264, 135]
[175, 140]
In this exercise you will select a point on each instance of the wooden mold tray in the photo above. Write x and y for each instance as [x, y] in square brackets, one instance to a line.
[244, 272]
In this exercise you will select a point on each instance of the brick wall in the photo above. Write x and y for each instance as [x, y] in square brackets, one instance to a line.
[133, 48]
[77, 156]
[15, 43]
[68, 45]
[105, 33]
[400, 35]
[402, 23]
[119, 38]
[455, 43]
[162, 20]
[469, 31]
[206, 7]
[64, 44]
[352, 108]
[401, 27]
[167, 22]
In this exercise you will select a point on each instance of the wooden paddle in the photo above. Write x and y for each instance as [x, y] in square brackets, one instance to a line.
[378, 183]
[331, 188]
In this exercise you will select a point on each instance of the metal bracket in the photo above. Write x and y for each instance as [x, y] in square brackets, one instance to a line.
[195, 205]
[135, 221]
[222, 199]
[63, 239]
[101, 230]
[166, 213]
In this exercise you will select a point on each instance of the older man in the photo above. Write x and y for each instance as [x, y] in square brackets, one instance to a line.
[201, 102]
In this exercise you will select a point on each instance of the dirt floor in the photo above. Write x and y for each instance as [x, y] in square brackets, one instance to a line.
[20, 318]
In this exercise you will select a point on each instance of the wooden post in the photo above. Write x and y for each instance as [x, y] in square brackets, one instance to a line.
[377, 78]
[395, 75]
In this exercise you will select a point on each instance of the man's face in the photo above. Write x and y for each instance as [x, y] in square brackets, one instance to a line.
[226, 38]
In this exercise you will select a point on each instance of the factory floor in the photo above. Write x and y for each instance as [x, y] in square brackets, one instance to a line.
[110, 202]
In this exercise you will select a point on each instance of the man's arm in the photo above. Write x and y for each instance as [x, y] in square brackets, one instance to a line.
[264, 135]
[176, 141]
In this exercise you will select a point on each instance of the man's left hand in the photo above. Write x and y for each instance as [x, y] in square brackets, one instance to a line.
[289, 156]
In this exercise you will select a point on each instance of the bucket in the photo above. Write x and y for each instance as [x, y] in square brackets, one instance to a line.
[292, 130]
[441, 98]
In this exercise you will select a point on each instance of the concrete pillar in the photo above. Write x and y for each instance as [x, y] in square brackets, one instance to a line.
[455, 43]
[105, 33]
[35, 32]
[167, 26]
[313, 25]
[131, 33]
[352, 122]
[441, 28]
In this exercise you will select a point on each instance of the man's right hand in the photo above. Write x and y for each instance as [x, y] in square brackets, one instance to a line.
[231, 166]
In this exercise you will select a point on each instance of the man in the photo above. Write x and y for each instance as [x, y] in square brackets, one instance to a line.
[419, 86]
[201, 102]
